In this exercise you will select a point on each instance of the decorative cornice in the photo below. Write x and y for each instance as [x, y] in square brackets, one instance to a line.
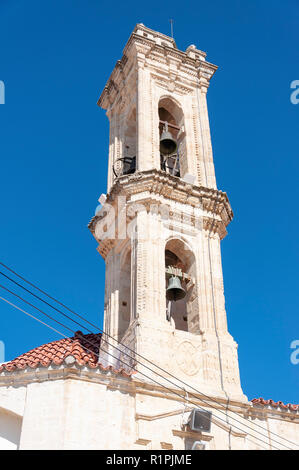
[174, 85]
[100, 374]
[212, 226]
[150, 48]
[196, 436]
[135, 386]
[154, 184]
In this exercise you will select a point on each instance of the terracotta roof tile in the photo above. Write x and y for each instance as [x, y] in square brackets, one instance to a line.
[278, 404]
[83, 347]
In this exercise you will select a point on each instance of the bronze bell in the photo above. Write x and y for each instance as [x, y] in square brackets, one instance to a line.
[174, 290]
[167, 143]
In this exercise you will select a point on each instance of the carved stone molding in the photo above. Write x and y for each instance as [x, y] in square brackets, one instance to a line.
[154, 183]
[148, 48]
[187, 358]
[193, 435]
[172, 84]
[213, 226]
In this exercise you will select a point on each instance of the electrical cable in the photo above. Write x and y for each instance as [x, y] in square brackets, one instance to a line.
[210, 398]
[161, 385]
[126, 347]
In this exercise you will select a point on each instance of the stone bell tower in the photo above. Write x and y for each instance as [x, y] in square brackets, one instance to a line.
[164, 217]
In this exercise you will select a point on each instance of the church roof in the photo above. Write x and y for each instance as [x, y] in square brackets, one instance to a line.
[278, 404]
[84, 348]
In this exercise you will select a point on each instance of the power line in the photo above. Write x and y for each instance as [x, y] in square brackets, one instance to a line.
[31, 305]
[135, 353]
[32, 316]
[44, 301]
[118, 359]
[150, 378]
[121, 351]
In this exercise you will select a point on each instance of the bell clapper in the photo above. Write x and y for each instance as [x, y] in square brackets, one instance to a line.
[168, 310]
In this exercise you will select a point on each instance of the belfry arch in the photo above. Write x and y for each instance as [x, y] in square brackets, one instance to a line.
[171, 119]
[125, 295]
[180, 262]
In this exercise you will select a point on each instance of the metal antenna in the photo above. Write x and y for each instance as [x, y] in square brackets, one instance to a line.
[171, 27]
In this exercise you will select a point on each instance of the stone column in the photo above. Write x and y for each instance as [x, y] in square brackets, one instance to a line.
[112, 293]
[191, 154]
[217, 279]
[155, 126]
[112, 149]
[208, 169]
[150, 268]
[144, 123]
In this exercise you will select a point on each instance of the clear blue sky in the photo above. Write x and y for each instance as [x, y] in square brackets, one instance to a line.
[55, 59]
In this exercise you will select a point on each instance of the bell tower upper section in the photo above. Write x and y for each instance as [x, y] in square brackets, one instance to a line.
[157, 88]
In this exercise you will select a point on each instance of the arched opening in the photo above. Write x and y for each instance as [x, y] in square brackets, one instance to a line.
[126, 164]
[180, 263]
[125, 296]
[171, 119]
[130, 137]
